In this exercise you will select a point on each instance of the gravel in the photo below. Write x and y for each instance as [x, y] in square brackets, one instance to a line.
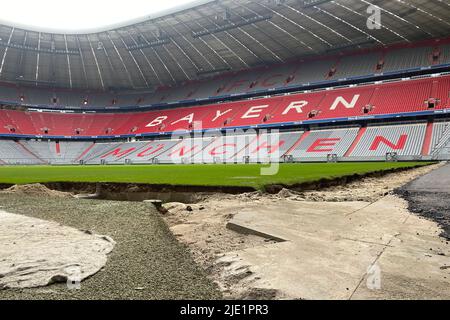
[434, 206]
[148, 263]
[428, 196]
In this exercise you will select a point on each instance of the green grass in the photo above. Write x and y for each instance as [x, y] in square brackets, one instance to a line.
[192, 175]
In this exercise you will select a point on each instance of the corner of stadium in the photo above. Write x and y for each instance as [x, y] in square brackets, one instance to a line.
[238, 150]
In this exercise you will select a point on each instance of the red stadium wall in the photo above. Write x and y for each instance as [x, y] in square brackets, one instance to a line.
[383, 99]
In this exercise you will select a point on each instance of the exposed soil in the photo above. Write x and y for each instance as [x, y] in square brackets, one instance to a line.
[35, 190]
[368, 189]
[202, 223]
[193, 194]
[136, 188]
[428, 196]
[202, 226]
[431, 205]
[344, 181]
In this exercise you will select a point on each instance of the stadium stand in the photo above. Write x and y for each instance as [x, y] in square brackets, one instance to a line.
[321, 118]
[373, 143]
[228, 149]
[320, 69]
[14, 152]
[55, 152]
[421, 95]
[272, 147]
[404, 140]
[318, 145]
[440, 148]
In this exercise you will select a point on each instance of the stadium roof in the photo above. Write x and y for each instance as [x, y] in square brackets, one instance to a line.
[64, 18]
[210, 37]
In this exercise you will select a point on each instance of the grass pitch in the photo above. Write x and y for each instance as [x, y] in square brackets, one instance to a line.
[193, 175]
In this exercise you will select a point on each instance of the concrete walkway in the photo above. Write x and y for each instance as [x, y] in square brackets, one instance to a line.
[353, 250]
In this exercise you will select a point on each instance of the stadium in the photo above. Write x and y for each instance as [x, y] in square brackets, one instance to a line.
[226, 149]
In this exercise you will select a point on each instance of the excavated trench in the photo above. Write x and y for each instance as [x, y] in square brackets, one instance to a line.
[190, 194]
[139, 192]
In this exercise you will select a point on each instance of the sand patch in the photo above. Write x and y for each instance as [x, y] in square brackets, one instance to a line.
[35, 190]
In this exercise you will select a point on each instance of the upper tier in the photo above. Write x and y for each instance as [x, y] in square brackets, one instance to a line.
[314, 71]
[423, 96]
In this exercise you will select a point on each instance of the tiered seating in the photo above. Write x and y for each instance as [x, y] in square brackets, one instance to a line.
[271, 147]
[441, 137]
[319, 144]
[57, 152]
[346, 144]
[441, 150]
[361, 64]
[314, 71]
[185, 151]
[12, 152]
[407, 58]
[404, 140]
[101, 149]
[208, 149]
[137, 152]
[348, 103]
[229, 148]
[445, 59]
[309, 70]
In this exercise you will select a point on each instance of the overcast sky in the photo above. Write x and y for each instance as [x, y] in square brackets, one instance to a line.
[73, 15]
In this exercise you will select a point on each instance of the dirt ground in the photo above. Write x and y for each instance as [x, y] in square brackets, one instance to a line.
[203, 227]
[428, 196]
[37, 190]
[147, 262]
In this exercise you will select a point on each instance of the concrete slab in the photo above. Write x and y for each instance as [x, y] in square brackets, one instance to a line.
[332, 250]
[409, 274]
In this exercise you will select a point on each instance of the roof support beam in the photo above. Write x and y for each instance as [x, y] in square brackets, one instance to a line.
[237, 41]
[38, 58]
[212, 50]
[274, 55]
[303, 28]
[82, 62]
[284, 31]
[349, 24]
[69, 67]
[158, 56]
[193, 47]
[5, 52]
[279, 43]
[20, 64]
[147, 60]
[175, 60]
[121, 59]
[422, 11]
[398, 17]
[135, 62]
[96, 63]
[184, 52]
